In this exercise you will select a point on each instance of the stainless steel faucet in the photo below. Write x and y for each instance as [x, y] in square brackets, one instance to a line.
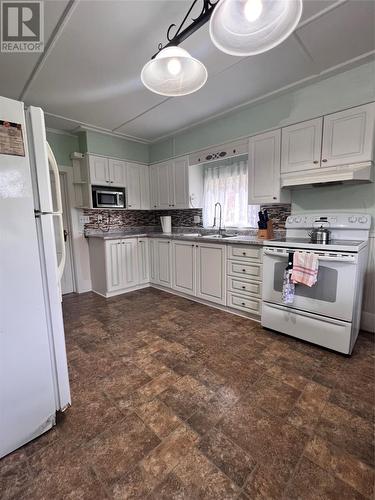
[220, 213]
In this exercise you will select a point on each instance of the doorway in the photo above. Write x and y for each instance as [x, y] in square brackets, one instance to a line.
[67, 280]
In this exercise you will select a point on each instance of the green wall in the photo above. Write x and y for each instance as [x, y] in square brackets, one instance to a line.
[62, 145]
[350, 88]
[117, 147]
[344, 198]
[94, 142]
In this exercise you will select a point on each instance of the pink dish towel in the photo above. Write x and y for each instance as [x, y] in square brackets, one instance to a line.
[305, 268]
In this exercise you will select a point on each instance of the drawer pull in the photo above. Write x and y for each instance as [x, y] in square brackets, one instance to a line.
[243, 253]
[244, 270]
[243, 303]
[244, 287]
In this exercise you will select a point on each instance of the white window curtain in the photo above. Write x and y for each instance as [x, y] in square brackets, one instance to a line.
[227, 183]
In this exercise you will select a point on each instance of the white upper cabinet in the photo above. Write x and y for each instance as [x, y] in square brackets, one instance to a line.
[169, 183]
[179, 183]
[161, 189]
[264, 169]
[301, 146]
[348, 136]
[117, 173]
[133, 186]
[145, 186]
[99, 171]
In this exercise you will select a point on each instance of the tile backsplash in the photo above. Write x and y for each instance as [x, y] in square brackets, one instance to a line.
[115, 220]
[278, 214]
[119, 219]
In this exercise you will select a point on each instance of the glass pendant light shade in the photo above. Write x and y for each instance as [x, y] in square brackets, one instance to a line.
[249, 27]
[173, 72]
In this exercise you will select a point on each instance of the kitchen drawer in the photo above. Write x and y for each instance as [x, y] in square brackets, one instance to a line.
[245, 252]
[244, 269]
[245, 287]
[247, 304]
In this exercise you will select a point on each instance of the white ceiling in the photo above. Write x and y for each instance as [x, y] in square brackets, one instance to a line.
[90, 73]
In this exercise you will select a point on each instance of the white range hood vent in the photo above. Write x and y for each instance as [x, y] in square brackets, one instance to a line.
[348, 174]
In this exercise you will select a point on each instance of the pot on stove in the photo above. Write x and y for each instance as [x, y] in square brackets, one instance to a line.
[320, 235]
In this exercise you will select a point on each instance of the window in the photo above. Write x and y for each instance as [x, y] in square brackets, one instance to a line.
[226, 182]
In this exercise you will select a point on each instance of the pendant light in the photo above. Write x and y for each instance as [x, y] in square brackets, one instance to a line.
[249, 27]
[174, 72]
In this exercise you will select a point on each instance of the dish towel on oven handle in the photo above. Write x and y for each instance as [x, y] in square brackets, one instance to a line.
[305, 268]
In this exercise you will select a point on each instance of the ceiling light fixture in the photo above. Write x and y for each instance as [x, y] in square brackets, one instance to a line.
[250, 27]
[237, 27]
[174, 72]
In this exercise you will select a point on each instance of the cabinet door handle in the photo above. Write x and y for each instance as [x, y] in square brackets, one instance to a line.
[244, 287]
[243, 304]
[274, 198]
[324, 160]
[315, 161]
[243, 253]
[192, 245]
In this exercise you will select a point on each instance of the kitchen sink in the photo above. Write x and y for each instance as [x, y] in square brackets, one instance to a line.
[190, 235]
[217, 236]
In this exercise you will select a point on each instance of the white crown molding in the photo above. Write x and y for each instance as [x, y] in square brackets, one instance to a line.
[60, 132]
[300, 83]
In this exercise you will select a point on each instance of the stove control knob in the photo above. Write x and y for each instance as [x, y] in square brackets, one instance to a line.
[362, 220]
[352, 219]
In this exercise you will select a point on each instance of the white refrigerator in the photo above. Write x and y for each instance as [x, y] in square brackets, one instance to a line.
[34, 381]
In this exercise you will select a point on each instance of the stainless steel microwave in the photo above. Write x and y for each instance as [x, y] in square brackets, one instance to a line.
[108, 197]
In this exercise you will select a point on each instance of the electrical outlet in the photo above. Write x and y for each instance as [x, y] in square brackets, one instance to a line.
[84, 219]
[197, 219]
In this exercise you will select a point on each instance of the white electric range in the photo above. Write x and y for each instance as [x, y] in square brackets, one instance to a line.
[329, 312]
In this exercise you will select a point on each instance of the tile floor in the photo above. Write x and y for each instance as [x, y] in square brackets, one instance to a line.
[175, 400]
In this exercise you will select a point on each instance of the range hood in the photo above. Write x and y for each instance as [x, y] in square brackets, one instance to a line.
[348, 174]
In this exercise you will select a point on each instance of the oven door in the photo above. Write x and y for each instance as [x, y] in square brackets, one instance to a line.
[109, 199]
[333, 293]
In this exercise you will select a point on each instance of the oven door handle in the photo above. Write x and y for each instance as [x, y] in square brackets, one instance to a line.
[350, 259]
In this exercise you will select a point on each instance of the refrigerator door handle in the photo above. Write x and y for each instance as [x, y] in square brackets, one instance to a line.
[61, 264]
[55, 171]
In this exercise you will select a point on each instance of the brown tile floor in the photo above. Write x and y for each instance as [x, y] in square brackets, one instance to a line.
[172, 399]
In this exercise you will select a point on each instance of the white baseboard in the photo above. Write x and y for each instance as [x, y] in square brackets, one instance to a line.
[368, 321]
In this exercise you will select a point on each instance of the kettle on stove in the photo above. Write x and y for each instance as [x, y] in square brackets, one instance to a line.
[320, 234]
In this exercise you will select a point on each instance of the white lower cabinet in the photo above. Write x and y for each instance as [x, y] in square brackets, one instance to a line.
[126, 265]
[211, 272]
[143, 260]
[184, 267]
[161, 262]
[121, 264]
[199, 270]
[228, 275]
[244, 278]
